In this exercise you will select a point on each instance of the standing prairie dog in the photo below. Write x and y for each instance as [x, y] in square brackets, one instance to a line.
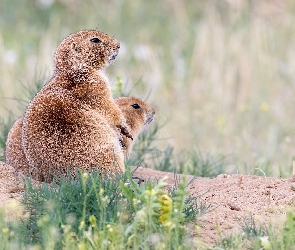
[73, 121]
[137, 113]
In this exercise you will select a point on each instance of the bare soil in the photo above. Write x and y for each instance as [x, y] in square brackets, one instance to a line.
[10, 183]
[232, 198]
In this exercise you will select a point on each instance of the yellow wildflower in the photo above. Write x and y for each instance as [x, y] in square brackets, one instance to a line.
[166, 203]
[92, 220]
[85, 175]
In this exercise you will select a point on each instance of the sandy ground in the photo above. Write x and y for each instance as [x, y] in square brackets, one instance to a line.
[233, 197]
[10, 184]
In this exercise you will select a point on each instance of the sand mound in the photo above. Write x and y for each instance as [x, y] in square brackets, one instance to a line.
[235, 197]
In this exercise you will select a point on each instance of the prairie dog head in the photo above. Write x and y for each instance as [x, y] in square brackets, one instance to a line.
[138, 115]
[84, 51]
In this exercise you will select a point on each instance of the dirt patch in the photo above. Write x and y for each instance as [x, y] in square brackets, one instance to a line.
[10, 183]
[233, 197]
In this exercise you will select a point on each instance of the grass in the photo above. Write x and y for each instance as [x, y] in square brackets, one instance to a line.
[200, 164]
[91, 212]
[261, 236]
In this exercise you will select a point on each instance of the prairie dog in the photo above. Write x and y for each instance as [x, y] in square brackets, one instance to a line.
[73, 121]
[138, 115]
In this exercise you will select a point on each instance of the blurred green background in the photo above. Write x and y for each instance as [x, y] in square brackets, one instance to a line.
[220, 73]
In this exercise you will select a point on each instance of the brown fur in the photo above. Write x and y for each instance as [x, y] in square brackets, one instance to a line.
[136, 119]
[14, 153]
[73, 120]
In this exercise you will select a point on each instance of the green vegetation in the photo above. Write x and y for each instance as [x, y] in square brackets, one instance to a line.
[91, 212]
[258, 237]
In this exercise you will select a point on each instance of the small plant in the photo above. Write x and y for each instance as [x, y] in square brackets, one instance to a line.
[285, 238]
[200, 164]
[231, 242]
[262, 168]
[250, 228]
[262, 237]
[195, 207]
[159, 216]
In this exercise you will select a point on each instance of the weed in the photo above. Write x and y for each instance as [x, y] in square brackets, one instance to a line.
[262, 236]
[200, 164]
[249, 227]
[230, 242]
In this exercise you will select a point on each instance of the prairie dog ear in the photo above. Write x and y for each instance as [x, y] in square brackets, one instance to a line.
[75, 47]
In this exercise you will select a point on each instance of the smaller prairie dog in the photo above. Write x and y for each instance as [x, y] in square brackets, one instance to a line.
[138, 114]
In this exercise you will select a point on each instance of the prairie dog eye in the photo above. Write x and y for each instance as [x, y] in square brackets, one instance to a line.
[135, 105]
[95, 40]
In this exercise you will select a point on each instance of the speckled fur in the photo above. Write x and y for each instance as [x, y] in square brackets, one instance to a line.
[137, 120]
[14, 153]
[73, 121]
